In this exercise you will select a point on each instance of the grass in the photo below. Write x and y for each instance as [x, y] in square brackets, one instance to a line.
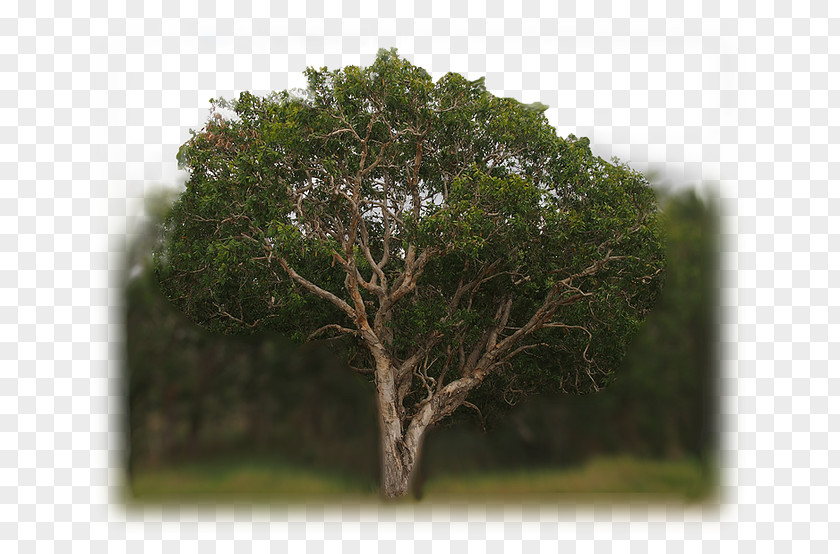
[242, 481]
[604, 479]
[620, 479]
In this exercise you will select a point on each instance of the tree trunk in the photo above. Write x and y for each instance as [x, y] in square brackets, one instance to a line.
[400, 448]
[400, 457]
[397, 465]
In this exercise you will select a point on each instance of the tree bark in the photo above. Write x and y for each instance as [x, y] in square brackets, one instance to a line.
[401, 447]
[399, 450]
[400, 460]
[398, 463]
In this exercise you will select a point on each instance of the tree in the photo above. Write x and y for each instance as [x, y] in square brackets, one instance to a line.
[447, 240]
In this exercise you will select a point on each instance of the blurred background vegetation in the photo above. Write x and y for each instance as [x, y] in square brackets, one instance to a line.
[207, 413]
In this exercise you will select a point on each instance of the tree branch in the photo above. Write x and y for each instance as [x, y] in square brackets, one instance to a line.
[517, 350]
[371, 285]
[334, 326]
[410, 364]
[407, 280]
[318, 291]
[480, 415]
[468, 287]
[227, 314]
[488, 339]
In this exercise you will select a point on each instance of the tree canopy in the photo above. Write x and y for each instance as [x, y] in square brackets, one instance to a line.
[448, 239]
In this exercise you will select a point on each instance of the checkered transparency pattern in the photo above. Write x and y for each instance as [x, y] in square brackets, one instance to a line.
[96, 97]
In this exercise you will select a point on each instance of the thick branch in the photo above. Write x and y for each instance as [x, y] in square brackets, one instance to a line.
[446, 400]
[371, 285]
[407, 280]
[554, 300]
[318, 291]
[495, 354]
[502, 316]
[488, 338]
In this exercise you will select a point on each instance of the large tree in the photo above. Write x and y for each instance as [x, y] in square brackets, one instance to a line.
[447, 239]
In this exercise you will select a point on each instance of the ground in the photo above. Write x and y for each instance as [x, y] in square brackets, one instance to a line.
[618, 479]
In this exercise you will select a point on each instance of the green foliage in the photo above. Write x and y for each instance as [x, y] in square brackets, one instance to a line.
[663, 403]
[369, 164]
[664, 398]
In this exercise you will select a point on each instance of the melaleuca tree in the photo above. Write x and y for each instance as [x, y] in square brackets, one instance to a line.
[450, 236]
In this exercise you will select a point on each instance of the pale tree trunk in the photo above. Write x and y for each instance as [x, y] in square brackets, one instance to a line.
[401, 438]
[400, 448]
[400, 458]
[398, 463]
